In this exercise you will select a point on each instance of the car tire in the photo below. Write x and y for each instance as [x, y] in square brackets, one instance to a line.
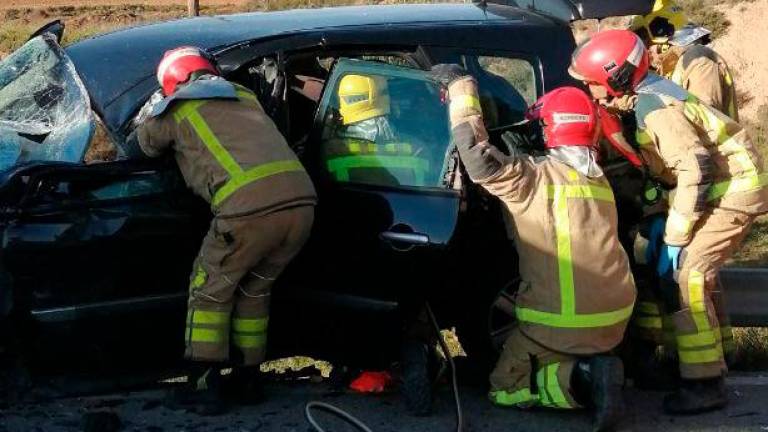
[418, 360]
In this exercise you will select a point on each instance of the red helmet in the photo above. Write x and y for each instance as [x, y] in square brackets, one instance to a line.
[614, 59]
[179, 64]
[568, 116]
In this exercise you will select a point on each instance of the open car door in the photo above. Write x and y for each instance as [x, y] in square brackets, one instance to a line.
[388, 207]
[572, 10]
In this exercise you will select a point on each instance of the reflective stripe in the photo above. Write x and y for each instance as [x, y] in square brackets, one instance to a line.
[568, 318]
[340, 166]
[649, 308]
[648, 322]
[201, 276]
[205, 335]
[697, 340]
[678, 222]
[735, 185]
[237, 176]
[696, 300]
[511, 399]
[249, 341]
[574, 321]
[703, 356]
[256, 173]
[250, 325]
[643, 138]
[465, 101]
[245, 94]
[207, 317]
[550, 392]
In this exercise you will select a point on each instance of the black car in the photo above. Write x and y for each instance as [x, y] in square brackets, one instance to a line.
[97, 248]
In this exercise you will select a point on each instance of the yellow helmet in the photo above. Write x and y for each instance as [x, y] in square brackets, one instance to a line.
[667, 24]
[362, 97]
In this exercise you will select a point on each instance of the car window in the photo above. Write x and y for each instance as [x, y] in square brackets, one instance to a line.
[384, 125]
[507, 87]
[45, 113]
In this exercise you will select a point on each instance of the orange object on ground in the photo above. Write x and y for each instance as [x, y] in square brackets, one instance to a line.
[371, 382]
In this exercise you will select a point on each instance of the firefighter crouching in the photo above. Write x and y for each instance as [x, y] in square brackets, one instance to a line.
[577, 292]
[231, 154]
[719, 183]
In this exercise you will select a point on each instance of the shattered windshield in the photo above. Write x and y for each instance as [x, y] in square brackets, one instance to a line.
[44, 110]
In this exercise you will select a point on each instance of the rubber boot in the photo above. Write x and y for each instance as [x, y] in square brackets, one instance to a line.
[697, 396]
[244, 385]
[598, 384]
[651, 371]
[202, 392]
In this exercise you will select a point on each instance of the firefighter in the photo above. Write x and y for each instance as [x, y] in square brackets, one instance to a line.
[719, 186]
[679, 52]
[232, 155]
[577, 292]
[365, 147]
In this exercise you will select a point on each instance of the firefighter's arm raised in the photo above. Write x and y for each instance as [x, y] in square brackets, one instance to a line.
[683, 151]
[506, 177]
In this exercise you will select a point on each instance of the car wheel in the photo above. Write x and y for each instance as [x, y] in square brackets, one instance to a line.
[418, 361]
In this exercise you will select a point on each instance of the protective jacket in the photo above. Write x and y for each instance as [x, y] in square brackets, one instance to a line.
[702, 72]
[577, 291]
[707, 154]
[228, 150]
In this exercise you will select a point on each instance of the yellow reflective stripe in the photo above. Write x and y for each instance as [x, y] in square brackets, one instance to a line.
[649, 308]
[697, 340]
[354, 147]
[340, 166]
[648, 322]
[511, 399]
[249, 341]
[465, 101]
[678, 222]
[201, 276]
[702, 356]
[728, 78]
[696, 300]
[249, 325]
[189, 112]
[677, 75]
[247, 95]
[256, 173]
[643, 138]
[550, 392]
[564, 258]
[736, 185]
[207, 317]
[205, 335]
[184, 109]
[599, 193]
[603, 319]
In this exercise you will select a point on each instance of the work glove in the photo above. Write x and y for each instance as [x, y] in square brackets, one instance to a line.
[516, 142]
[669, 262]
[445, 74]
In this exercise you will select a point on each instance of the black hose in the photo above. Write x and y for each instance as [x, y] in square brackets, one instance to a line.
[452, 365]
[338, 412]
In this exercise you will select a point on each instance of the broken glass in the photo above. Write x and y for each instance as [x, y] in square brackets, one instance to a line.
[45, 114]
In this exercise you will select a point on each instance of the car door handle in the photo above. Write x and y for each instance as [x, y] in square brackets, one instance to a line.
[409, 238]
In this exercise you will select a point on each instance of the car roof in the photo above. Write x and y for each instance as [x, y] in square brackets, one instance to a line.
[113, 63]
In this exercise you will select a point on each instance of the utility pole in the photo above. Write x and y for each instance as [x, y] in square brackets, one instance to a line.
[194, 7]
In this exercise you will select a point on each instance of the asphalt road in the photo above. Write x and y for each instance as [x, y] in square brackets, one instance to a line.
[283, 411]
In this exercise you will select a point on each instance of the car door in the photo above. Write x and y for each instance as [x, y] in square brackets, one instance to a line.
[388, 207]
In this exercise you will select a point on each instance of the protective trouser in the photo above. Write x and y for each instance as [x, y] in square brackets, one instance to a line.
[231, 281]
[717, 236]
[528, 374]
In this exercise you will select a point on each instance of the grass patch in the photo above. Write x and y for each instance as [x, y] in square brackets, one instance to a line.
[751, 348]
[702, 12]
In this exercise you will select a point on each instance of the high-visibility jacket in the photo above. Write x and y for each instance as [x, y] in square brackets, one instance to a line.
[577, 291]
[230, 153]
[702, 72]
[362, 161]
[710, 156]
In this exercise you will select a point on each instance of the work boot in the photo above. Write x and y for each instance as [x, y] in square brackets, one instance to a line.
[652, 371]
[201, 393]
[598, 383]
[697, 396]
[244, 385]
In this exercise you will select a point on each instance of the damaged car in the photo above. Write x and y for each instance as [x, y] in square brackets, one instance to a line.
[97, 247]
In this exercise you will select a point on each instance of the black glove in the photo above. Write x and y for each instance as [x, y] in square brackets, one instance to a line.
[516, 142]
[445, 74]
